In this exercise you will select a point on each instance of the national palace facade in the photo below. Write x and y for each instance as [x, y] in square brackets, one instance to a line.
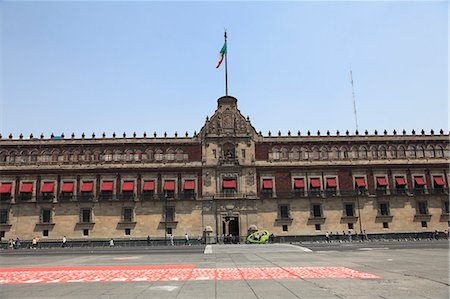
[226, 179]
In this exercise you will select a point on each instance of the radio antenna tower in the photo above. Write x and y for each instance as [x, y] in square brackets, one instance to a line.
[354, 99]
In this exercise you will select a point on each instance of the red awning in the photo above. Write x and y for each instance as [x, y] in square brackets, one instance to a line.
[438, 180]
[315, 183]
[230, 184]
[149, 186]
[360, 182]
[128, 186]
[107, 186]
[67, 187]
[382, 182]
[169, 185]
[419, 181]
[267, 184]
[299, 183]
[87, 187]
[331, 183]
[48, 187]
[189, 185]
[6, 188]
[400, 181]
[26, 188]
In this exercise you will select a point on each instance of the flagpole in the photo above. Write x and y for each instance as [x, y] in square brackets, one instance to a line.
[226, 65]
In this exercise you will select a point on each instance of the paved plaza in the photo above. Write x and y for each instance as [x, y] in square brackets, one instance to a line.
[313, 270]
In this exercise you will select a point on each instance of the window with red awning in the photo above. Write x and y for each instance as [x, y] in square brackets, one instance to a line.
[6, 188]
[229, 184]
[439, 181]
[87, 186]
[315, 183]
[299, 183]
[67, 187]
[149, 186]
[381, 182]
[128, 186]
[419, 181]
[189, 185]
[360, 182]
[400, 181]
[107, 186]
[48, 187]
[267, 184]
[331, 183]
[169, 186]
[26, 188]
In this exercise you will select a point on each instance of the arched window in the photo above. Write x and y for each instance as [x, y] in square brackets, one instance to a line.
[275, 154]
[363, 152]
[382, 153]
[412, 151]
[355, 153]
[324, 153]
[294, 154]
[431, 151]
[374, 152]
[401, 151]
[55, 156]
[170, 154]
[12, 157]
[179, 155]
[344, 153]
[393, 151]
[3, 156]
[315, 153]
[138, 155]
[159, 155]
[107, 156]
[420, 152]
[24, 157]
[439, 152]
[284, 153]
[304, 153]
[148, 155]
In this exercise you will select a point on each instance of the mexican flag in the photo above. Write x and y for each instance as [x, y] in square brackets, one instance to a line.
[222, 54]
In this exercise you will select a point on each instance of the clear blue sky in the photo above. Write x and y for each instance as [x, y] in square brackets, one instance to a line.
[150, 66]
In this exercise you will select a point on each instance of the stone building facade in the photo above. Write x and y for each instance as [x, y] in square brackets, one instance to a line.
[227, 179]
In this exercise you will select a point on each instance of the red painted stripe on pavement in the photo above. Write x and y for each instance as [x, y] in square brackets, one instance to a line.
[168, 273]
[82, 268]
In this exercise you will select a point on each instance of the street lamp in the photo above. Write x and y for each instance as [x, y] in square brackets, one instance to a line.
[165, 218]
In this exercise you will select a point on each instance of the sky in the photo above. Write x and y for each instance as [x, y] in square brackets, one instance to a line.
[108, 66]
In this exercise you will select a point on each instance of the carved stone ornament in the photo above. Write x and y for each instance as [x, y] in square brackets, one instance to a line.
[207, 180]
[250, 178]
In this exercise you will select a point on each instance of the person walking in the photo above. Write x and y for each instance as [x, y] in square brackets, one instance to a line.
[34, 243]
[64, 241]
[17, 243]
[149, 241]
[111, 243]
[171, 240]
[186, 239]
[327, 237]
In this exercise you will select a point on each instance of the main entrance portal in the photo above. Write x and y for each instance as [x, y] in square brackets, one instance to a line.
[230, 226]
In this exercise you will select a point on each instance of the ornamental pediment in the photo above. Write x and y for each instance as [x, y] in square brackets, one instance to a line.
[227, 121]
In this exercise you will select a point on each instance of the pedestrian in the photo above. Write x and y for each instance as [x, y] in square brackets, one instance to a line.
[446, 233]
[327, 237]
[186, 239]
[171, 240]
[11, 244]
[344, 236]
[149, 241]
[366, 238]
[331, 237]
[64, 241]
[349, 236]
[436, 235]
[17, 243]
[34, 243]
[111, 243]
